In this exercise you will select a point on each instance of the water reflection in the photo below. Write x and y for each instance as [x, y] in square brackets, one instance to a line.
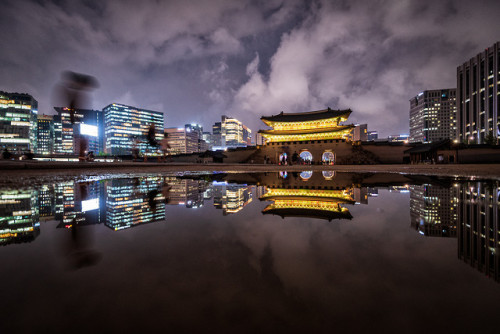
[466, 210]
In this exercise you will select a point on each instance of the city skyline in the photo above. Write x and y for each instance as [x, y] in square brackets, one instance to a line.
[196, 61]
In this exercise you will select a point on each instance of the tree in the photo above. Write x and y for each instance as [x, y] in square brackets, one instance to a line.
[490, 139]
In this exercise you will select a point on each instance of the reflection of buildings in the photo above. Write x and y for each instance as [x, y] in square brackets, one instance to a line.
[130, 202]
[231, 198]
[433, 210]
[186, 192]
[478, 227]
[79, 203]
[312, 203]
[19, 221]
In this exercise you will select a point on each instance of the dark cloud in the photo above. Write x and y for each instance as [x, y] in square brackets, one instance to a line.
[196, 60]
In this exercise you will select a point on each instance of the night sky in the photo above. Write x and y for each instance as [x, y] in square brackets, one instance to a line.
[197, 60]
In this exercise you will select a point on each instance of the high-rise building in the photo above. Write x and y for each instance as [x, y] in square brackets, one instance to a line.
[478, 97]
[183, 140]
[125, 123]
[18, 122]
[45, 134]
[230, 132]
[433, 116]
[86, 123]
[217, 134]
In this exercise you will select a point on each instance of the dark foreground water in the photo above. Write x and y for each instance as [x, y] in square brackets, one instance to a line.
[257, 253]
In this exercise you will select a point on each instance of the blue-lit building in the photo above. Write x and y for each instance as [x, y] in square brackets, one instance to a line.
[125, 123]
[88, 123]
[19, 219]
[131, 202]
[18, 122]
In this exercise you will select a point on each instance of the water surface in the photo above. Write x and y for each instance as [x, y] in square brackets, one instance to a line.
[267, 252]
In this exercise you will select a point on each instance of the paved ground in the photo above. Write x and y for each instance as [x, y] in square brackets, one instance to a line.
[19, 170]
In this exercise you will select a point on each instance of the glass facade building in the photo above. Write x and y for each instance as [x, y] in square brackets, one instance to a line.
[18, 122]
[70, 133]
[478, 97]
[125, 123]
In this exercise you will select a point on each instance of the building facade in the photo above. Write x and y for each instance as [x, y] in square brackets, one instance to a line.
[18, 122]
[478, 97]
[45, 134]
[230, 132]
[433, 116]
[87, 124]
[360, 132]
[182, 140]
[124, 124]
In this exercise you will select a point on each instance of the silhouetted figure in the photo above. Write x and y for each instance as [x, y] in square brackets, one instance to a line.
[6, 154]
[135, 148]
[165, 147]
[71, 93]
[152, 199]
[78, 253]
[151, 138]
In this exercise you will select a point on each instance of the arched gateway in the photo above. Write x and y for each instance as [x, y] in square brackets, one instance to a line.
[308, 137]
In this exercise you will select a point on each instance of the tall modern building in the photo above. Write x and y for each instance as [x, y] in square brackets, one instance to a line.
[478, 97]
[230, 132]
[45, 134]
[88, 123]
[17, 122]
[183, 140]
[125, 123]
[433, 116]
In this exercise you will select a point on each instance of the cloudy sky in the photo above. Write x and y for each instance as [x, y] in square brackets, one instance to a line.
[197, 60]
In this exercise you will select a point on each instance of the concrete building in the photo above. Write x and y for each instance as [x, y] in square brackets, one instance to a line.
[182, 140]
[45, 134]
[18, 122]
[433, 116]
[360, 132]
[478, 97]
[123, 124]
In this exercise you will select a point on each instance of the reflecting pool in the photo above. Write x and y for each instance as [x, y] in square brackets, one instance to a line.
[253, 253]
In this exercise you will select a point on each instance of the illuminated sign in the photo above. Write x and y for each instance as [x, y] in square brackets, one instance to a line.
[88, 130]
[90, 204]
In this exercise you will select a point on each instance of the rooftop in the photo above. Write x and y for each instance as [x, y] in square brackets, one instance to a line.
[307, 116]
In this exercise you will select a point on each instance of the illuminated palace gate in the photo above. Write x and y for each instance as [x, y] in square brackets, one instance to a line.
[315, 137]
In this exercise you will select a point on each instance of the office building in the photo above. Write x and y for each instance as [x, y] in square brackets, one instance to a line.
[230, 132]
[87, 123]
[20, 220]
[183, 140]
[217, 134]
[478, 97]
[123, 124]
[360, 132]
[372, 135]
[17, 122]
[45, 134]
[433, 116]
